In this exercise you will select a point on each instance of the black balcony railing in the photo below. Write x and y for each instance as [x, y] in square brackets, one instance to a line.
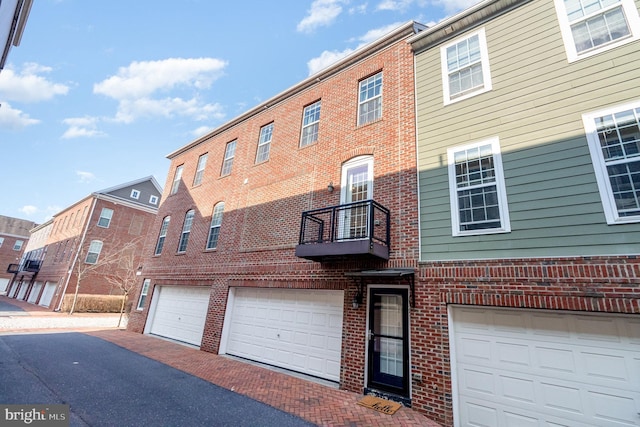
[32, 265]
[13, 268]
[359, 228]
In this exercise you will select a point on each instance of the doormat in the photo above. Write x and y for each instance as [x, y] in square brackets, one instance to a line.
[381, 405]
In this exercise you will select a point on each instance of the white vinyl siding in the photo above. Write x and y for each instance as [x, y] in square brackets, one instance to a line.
[592, 26]
[465, 67]
[370, 99]
[478, 195]
[614, 142]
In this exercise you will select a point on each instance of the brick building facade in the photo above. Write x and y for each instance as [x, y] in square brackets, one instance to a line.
[14, 237]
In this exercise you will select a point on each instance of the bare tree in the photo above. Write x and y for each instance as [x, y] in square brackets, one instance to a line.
[116, 266]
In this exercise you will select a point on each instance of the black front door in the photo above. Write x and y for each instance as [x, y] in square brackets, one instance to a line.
[388, 341]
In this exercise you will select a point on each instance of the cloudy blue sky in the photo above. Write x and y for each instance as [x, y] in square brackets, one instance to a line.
[99, 92]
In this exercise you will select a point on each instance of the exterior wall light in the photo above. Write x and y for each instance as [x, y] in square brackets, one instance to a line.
[330, 187]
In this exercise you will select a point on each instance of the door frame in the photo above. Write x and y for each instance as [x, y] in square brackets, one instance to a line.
[369, 383]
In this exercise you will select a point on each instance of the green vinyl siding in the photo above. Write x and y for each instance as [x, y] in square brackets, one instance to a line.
[535, 108]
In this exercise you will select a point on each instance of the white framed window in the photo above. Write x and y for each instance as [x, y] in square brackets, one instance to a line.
[202, 163]
[310, 124]
[162, 235]
[143, 294]
[477, 190]
[105, 218]
[356, 186]
[465, 67]
[176, 180]
[214, 229]
[186, 231]
[153, 200]
[135, 194]
[264, 143]
[1, 241]
[229, 154]
[94, 252]
[370, 99]
[591, 26]
[18, 245]
[613, 136]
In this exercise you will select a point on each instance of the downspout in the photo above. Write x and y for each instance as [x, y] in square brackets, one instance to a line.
[75, 258]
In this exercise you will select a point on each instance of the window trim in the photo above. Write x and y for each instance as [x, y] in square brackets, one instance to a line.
[600, 166]
[18, 247]
[360, 103]
[503, 206]
[177, 177]
[86, 258]
[633, 20]
[162, 235]
[143, 294]
[187, 225]
[216, 223]
[109, 218]
[200, 167]
[315, 123]
[135, 194]
[266, 143]
[153, 199]
[484, 61]
[1, 241]
[227, 161]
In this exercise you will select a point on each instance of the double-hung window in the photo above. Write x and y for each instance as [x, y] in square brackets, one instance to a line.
[370, 99]
[176, 180]
[310, 124]
[202, 163]
[105, 217]
[93, 252]
[18, 245]
[143, 294]
[614, 142]
[163, 235]
[591, 26]
[216, 222]
[229, 154]
[465, 67]
[186, 231]
[264, 143]
[478, 195]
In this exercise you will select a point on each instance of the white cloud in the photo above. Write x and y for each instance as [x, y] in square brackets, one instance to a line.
[327, 57]
[362, 8]
[202, 130]
[80, 127]
[322, 13]
[136, 88]
[28, 210]
[454, 6]
[14, 119]
[85, 177]
[141, 79]
[394, 5]
[29, 85]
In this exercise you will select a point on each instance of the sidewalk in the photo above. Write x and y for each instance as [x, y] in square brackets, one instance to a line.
[316, 403]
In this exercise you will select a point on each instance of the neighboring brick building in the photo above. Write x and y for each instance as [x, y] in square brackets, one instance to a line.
[230, 269]
[89, 233]
[14, 235]
[528, 289]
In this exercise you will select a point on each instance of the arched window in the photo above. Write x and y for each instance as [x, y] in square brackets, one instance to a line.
[162, 235]
[186, 230]
[216, 222]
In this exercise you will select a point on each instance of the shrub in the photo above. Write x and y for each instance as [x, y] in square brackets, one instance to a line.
[87, 303]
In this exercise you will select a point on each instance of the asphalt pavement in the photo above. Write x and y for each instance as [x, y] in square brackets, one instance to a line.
[107, 385]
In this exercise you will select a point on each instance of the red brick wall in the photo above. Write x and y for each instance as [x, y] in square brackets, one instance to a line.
[264, 202]
[593, 284]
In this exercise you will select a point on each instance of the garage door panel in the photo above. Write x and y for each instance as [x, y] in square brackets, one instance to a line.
[180, 313]
[303, 331]
[586, 378]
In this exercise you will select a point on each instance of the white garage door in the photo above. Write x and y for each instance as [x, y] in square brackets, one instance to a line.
[180, 313]
[4, 283]
[296, 329]
[543, 368]
[35, 291]
[47, 294]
